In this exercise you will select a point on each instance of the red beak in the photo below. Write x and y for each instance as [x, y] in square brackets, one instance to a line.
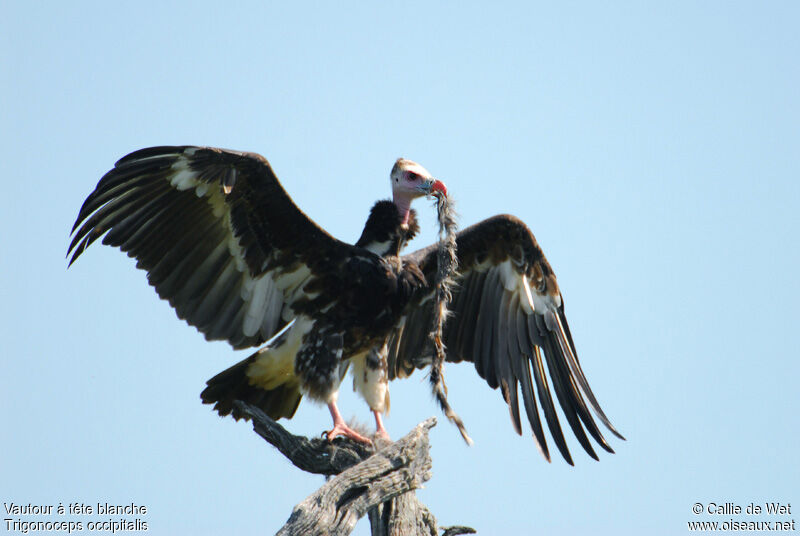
[439, 188]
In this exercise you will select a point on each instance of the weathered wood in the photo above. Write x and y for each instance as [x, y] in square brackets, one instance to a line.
[378, 482]
[318, 456]
[457, 529]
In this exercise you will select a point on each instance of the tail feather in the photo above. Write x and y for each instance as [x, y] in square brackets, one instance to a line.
[234, 384]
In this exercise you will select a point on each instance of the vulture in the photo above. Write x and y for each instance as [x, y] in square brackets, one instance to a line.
[222, 241]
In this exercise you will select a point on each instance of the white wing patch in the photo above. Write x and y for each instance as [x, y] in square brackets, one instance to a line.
[508, 275]
[184, 178]
[288, 281]
[527, 303]
[272, 311]
[516, 283]
[201, 189]
[264, 301]
[263, 296]
[258, 305]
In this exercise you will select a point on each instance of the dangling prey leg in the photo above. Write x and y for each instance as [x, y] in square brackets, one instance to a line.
[340, 427]
[380, 431]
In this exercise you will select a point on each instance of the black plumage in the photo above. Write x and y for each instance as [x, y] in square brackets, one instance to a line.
[495, 326]
[222, 241]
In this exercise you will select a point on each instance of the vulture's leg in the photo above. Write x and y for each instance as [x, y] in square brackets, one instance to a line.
[319, 366]
[380, 431]
[340, 427]
[370, 379]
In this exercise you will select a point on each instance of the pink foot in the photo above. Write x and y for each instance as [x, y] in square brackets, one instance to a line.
[380, 431]
[341, 429]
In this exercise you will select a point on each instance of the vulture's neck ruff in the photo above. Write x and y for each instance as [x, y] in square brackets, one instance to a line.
[385, 233]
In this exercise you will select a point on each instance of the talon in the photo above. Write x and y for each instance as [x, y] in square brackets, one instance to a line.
[341, 429]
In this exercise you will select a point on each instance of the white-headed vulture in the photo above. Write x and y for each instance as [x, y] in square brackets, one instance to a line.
[222, 241]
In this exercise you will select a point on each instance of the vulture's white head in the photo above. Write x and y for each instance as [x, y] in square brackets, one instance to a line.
[410, 181]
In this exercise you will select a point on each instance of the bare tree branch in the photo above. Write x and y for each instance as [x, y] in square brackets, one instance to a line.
[366, 481]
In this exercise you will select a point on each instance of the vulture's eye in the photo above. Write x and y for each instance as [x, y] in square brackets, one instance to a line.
[413, 177]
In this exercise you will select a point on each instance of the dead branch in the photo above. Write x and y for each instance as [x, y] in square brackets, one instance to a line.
[364, 481]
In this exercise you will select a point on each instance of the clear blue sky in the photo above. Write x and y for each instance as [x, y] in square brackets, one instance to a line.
[653, 148]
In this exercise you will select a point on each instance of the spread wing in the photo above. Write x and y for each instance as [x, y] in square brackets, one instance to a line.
[507, 317]
[218, 236]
